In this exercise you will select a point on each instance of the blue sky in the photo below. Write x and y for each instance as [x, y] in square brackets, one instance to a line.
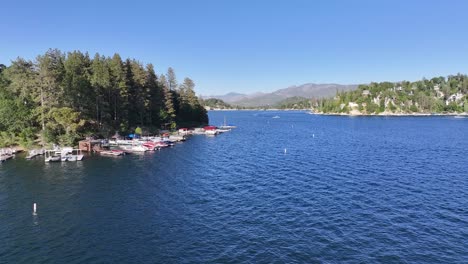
[249, 46]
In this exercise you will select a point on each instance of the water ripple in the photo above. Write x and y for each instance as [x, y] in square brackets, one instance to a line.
[347, 190]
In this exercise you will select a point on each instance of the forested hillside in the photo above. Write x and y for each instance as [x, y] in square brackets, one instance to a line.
[62, 97]
[214, 103]
[437, 95]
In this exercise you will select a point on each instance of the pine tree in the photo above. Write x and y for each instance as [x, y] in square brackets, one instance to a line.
[155, 96]
[168, 102]
[101, 83]
[171, 79]
[119, 90]
[51, 72]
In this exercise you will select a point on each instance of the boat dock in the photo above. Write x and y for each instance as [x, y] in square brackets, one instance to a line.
[116, 146]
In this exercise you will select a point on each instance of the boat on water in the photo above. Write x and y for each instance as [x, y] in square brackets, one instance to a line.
[276, 117]
[52, 159]
[223, 130]
[211, 130]
[154, 145]
[51, 156]
[67, 155]
[225, 126]
[114, 152]
[177, 138]
[135, 148]
[198, 131]
[460, 116]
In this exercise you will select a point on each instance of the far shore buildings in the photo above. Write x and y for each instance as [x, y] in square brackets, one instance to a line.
[366, 93]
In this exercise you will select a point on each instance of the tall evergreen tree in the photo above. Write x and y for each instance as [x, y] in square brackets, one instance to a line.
[50, 75]
[169, 114]
[171, 79]
[120, 91]
[101, 82]
[155, 96]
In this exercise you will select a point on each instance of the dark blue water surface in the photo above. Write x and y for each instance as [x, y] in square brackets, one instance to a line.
[357, 190]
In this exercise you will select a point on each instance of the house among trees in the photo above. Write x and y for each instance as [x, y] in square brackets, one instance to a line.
[366, 93]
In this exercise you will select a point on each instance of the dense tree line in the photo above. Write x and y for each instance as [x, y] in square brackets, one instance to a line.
[295, 102]
[437, 95]
[59, 98]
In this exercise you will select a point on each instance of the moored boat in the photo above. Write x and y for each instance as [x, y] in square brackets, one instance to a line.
[50, 156]
[135, 148]
[114, 152]
[52, 159]
[211, 130]
[225, 126]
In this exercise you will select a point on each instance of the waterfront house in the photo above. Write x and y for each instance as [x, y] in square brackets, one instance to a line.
[454, 98]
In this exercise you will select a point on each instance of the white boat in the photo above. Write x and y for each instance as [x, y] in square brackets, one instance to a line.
[459, 116]
[52, 158]
[77, 156]
[225, 126]
[72, 157]
[112, 152]
[176, 138]
[276, 117]
[135, 148]
[198, 131]
[212, 132]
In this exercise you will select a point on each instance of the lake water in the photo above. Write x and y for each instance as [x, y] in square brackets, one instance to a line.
[299, 188]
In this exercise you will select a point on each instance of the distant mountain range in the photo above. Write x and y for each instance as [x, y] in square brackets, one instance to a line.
[309, 90]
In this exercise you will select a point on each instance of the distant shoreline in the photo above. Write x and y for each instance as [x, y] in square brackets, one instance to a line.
[396, 114]
[352, 114]
[259, 109]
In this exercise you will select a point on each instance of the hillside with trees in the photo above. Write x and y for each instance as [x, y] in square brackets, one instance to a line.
[214, 103]
[295, 102]
[62, 97]
[438, 95]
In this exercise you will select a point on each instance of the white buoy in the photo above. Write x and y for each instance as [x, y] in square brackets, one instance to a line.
[285, 150]
[34, 209]
[313, 135]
